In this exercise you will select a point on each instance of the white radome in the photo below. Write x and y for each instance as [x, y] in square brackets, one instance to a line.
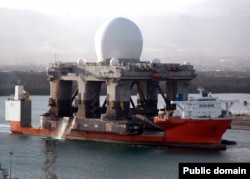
[114, 61]
[186, 63]
[119, 38]
[81, 61]
[156, 61]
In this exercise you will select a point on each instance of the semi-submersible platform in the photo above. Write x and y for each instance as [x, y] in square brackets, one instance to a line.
[120, 118]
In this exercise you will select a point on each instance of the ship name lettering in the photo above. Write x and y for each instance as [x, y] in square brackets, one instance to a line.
[206, 105]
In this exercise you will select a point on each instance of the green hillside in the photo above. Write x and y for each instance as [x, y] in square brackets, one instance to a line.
[217, 82]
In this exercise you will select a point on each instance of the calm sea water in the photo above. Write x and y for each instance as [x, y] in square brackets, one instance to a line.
[80, 159]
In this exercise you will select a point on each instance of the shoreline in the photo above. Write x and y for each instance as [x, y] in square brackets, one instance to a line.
[241, 122]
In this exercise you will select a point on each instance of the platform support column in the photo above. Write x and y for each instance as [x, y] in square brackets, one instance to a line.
[88, 99]
[147, 94]
[60, 93]
[174, 87]
[118, 100]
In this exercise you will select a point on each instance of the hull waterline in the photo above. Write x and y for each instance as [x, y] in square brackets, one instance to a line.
[174, 136]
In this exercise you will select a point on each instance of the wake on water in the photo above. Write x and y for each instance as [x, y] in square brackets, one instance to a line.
[64, 126]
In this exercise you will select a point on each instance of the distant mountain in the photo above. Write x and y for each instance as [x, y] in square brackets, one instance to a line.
[30, 36]
[218, 82]
[217, 41]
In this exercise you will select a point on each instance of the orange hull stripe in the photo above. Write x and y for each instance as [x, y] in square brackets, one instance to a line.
[15, 127]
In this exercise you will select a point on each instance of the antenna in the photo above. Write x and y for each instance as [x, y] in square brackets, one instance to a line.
[200, 89]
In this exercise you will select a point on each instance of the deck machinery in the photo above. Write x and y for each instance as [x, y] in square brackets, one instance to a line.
[118, 113]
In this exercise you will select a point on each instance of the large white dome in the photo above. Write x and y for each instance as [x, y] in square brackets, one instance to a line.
[119, 38]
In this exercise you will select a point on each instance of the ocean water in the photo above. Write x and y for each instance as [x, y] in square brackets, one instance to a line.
[81, 159]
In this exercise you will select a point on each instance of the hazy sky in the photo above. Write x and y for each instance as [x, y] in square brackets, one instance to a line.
[108, 7]
[169, 27]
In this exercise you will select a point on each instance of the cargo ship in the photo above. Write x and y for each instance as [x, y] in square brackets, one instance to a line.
[76, 111]
[199, 122]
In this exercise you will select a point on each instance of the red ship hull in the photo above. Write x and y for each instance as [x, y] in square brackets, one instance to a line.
[15, 127]
[192, 133]
[194, 130]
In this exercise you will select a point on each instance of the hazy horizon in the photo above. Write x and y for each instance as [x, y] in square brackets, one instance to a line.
[172, 30]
